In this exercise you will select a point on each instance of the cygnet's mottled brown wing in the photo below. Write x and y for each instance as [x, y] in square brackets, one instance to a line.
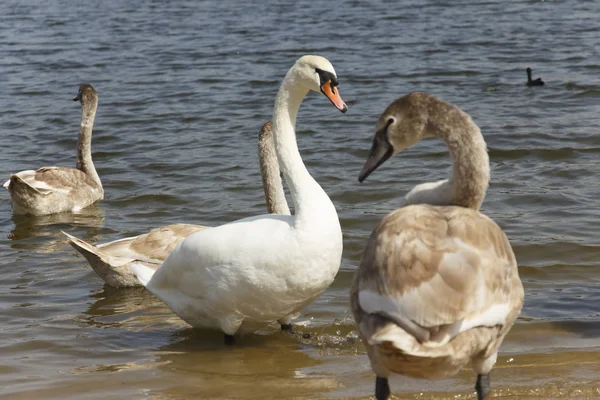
[159, 242]
[438, 271]
[48, 180]
[111, 260]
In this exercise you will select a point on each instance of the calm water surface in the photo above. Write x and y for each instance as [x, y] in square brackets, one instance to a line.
[184, 87]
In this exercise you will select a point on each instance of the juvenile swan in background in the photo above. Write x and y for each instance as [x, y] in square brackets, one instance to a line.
[51, 190]
[533, 82]
[438, 285]
[245, 274]
[111, 260]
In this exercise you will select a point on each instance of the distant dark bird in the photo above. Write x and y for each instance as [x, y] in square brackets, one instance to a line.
[531, 82]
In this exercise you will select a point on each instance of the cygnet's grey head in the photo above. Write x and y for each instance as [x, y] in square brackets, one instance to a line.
[86, 95]
[400, 126]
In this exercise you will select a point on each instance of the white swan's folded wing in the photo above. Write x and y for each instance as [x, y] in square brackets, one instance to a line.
[215, 277]
[220, 255]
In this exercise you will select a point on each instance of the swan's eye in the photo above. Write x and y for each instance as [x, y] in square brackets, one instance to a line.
[391, 121]
[326, 76]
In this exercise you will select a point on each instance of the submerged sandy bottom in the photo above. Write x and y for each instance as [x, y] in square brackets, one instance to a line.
[154, 355]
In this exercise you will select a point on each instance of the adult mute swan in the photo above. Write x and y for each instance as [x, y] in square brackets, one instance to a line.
[51, 190]
[245, 274]
[438, 286]
[111, 260]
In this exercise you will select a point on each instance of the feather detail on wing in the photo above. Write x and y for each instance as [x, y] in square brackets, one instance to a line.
[436, 272]
[157, 244]
[432, 193]
[49, 180]
[111, 260]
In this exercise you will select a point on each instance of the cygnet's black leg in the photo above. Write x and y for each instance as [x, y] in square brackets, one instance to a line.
[382, 389]
[287, 327]
[482, 386]
[229, 340]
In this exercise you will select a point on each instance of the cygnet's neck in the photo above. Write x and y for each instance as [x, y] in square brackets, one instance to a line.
[308, 196]
[84, 143]
[470, 162]
[270, 173]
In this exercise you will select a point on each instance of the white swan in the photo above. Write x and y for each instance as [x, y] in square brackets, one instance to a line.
[111, 260]
[245, 274]
[438, 286]
[51, 190]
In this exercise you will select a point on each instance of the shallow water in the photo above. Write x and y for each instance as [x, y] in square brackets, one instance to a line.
[184, 87]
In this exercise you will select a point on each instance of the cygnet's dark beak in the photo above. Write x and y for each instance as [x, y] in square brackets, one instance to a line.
[381, 150]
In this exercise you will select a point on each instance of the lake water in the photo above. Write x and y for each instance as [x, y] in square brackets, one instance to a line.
[184, 87]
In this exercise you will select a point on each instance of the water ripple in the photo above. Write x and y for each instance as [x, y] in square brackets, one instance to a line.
[184, 87]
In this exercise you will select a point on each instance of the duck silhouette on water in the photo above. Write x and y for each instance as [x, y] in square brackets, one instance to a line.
[531, 82]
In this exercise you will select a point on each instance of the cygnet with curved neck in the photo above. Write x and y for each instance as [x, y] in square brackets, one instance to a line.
[470, 162]
[51, 190]
[438, 286]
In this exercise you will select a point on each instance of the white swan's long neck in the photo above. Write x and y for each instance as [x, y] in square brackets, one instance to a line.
[84, 143]
[470, 161]
[270, 173]
[306, 192]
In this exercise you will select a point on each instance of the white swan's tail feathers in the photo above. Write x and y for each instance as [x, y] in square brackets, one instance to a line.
[142, 272]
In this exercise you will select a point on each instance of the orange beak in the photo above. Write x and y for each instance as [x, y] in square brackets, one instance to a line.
[333, 94]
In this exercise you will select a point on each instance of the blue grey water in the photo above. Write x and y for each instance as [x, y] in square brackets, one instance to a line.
[184, 87]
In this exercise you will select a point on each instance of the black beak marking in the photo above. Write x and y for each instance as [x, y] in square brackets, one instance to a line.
[325, 76]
